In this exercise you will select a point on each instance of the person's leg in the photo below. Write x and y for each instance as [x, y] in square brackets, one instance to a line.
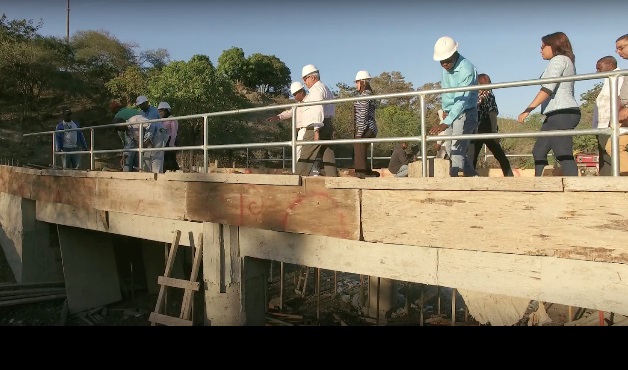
[328, 153]
[403, 171]
[465, 124]
[359, 159]
[497, 150]
[540, 150]
[308, 155]
[604, 158]
[562, 146]
[477, 148]
[75, 160]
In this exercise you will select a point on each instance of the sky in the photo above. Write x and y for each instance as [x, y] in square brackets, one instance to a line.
[341, 37]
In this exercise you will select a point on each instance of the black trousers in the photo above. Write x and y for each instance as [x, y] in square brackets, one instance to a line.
[604, 158]
[495, 147]
[562, 146]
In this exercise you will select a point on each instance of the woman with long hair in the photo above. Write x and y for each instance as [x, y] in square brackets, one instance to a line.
[558, 104]
[364, 123]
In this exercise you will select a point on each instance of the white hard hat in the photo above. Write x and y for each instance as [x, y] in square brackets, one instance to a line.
[444, 48]
[295, 86]
[310, 68]
[362, 75]
[163, 105]
[141, 99]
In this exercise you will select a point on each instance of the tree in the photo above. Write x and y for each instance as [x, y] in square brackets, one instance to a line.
[233, 64]
[100, 57]
[195, 87]
[267, 74]
[156, 58]
[128, 85]
[31, 66]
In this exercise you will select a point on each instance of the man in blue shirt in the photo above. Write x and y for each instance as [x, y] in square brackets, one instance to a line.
[460, 108]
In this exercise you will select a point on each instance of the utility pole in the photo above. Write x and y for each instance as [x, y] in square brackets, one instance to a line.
[67, 25]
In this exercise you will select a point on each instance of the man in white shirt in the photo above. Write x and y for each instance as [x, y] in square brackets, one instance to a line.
[602, 113]
[298, 91]
[320, 126]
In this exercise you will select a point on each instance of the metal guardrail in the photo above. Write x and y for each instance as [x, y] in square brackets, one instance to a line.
[614, 130]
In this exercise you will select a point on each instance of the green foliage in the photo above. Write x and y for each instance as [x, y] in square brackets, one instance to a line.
[195, 87]
[128, 85]
[233, 64]
[31, 67]
[267, 74]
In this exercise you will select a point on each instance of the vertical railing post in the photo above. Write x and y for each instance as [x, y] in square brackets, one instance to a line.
[54, 157]
[615, 126]
[91, 150]
[371, 157]
[140, 146]
[247, 157]
[293, 140]
[205, 133]
[423, 142]
[283, 157]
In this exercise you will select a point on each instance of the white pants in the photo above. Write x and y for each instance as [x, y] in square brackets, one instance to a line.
[300, 135]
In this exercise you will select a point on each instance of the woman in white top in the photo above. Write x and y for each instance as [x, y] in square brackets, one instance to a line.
[558, 104]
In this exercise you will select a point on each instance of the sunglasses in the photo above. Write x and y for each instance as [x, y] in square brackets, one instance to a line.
[447, 61]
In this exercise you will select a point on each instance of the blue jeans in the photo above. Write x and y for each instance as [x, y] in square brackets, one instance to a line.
[403, 171]
[466, 123]
[71, 161]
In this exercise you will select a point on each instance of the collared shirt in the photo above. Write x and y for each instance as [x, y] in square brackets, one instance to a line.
[561, 93]
[288, 114]
[153, 131]
[462, 74]
[601, 110]
[319, 91]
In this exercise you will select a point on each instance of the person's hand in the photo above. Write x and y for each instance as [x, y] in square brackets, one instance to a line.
[316, 135]
[438, 128]
[272, 119]
[523, 116]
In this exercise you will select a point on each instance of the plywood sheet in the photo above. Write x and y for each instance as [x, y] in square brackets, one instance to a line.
[310, 208]
[259, 179]
[72, 190]
[515, 184]
[159, 198]
[399, 262]
[596, 183]
[587, 226]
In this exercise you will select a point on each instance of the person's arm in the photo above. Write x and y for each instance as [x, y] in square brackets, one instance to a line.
[59, 138]
[81, 137]
[555, 68]
[174, 129]
[540, 97]
[314, 114]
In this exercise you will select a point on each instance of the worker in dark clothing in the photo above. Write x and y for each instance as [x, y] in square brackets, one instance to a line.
[398, 164]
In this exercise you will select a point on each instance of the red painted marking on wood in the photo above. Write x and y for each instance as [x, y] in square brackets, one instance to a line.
[342, 222]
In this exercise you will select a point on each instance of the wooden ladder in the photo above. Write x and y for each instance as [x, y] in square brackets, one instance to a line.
[190, 286]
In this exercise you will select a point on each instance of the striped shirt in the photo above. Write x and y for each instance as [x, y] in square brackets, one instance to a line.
[364, 115]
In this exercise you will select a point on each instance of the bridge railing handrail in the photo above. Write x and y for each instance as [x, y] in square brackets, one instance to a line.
[614, 130]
